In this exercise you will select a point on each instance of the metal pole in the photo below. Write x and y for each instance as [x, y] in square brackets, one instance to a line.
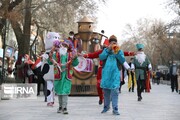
[35, 48]
[4, 48]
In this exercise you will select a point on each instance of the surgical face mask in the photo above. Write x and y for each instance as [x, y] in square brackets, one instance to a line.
[71, 37]
[22, 59]
[96, 41]
[63, 50]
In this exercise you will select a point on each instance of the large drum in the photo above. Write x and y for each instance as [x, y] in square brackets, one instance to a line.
[85, 68]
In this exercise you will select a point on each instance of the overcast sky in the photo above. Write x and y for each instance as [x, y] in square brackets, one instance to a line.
[113, 17]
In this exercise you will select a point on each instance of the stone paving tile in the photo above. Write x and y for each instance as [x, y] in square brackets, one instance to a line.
[159, 104]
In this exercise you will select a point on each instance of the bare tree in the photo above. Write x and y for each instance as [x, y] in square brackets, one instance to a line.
[47, 15]
[153, 34]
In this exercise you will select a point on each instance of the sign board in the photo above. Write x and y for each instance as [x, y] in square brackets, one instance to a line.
[9, 51]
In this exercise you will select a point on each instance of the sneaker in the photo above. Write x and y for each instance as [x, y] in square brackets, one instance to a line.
[100, 102]
[139, 98]
[116, 113]
[59, 110]
[65, 111]
[50, 104]
[105, 109]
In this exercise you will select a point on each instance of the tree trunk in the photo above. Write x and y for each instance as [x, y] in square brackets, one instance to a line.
[27, 27]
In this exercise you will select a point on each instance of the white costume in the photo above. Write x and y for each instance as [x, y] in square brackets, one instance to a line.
[49, 67]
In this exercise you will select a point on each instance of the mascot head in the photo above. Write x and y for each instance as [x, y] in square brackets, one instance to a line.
[49, 40]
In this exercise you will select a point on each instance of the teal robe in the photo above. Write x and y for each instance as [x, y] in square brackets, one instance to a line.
[110, 71]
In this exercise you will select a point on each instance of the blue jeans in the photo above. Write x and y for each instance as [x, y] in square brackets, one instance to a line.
[111, 94]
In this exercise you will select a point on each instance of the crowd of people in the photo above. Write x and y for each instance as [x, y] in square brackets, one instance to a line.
[54, 69]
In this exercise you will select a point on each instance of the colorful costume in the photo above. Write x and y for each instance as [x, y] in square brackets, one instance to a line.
[110, 83]
[63, 62]
[142, 64]
[99, 73]
[48, 67]
[131, 77]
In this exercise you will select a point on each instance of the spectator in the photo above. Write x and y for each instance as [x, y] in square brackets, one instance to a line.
[179, 80]
[20, 69]
[28, 71]
[158, 76]
[174, 75]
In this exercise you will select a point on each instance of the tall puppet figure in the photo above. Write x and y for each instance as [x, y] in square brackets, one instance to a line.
[48, 66]
[142, 64]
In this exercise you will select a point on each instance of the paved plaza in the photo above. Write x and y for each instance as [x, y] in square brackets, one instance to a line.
[159, 104]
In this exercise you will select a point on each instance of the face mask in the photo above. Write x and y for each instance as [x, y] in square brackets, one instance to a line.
[63, 50]
[97, 41]
[71, 37]
[22, 59]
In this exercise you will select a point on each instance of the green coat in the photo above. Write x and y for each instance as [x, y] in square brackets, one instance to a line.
[140, 70]
[63, 86]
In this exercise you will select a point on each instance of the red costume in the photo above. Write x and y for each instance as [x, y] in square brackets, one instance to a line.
[148, 84]
[99, 73]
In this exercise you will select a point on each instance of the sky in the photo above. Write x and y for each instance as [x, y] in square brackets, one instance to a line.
[113, 16]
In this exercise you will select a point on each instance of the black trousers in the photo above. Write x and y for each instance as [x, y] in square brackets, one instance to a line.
[140, 87]
[39, 82]
[132, 75]
[174, 83]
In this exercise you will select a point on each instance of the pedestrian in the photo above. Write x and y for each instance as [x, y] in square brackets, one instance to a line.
[158, 76]
[112, 57]
[174, 76]
[142, 64]
[153, 76]
[179, 80]
[39, 76]
[63, 60]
